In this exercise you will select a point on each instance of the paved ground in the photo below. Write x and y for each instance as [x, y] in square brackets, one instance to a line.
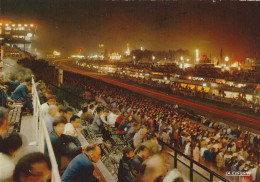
[28, 136]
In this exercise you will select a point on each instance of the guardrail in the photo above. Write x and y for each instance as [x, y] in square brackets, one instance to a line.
[188, 165]
[42, 135]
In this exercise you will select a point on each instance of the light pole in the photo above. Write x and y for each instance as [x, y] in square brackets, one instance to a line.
[134, 59]
[182, 62]
[226, 59]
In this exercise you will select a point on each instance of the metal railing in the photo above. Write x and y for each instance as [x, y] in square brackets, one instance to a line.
[196, 171]
[42, 135]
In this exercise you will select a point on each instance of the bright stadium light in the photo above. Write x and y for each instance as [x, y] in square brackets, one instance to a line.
[226, 58]
[29, 35]
[197, 55]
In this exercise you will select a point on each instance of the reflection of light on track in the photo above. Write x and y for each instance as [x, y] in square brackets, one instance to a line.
[165, 96]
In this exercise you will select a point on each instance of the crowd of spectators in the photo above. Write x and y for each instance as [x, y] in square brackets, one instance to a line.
[143, 121]
[15, 92]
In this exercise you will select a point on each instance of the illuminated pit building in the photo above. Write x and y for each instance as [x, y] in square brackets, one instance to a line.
[17, 35]
[204, 62]
[114, 56]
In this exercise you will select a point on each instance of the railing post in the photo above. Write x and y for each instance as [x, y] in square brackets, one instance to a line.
[211, 177]
[175, 158]
[191, 170]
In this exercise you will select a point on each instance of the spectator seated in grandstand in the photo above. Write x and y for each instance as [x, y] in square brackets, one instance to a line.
[152, 143]
[81, 168]
[97, 122]
[51, 100]
[120, 119]
[70, 128]
[42, 95]
[57, 140]
[4, 114]
[135, 126]
[122, 127]
[22, 94]
[12, 145]
[136, 165]
[32, 167]
[124, 165]
[4, 99]
[89, 116]
[140, 136]
[53, 111]
[68, 113]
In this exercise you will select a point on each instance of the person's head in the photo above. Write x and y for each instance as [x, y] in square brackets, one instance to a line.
[125, 114]
[143, 152]
[91, 106]
[43, 89]
[59, 125]
[68, 113]
[51, 99]
[19, 77]
[152, 137]
[106, 112]
[143, 129]
[61, 109]
[136, 125]
[12, 144]
[53, 110]
[4, 113]
[75, 121]
[28, 83]
[99, 110]
[32, 167]
[128, 152]
[93, 152]
[173, 176]
[85, 109]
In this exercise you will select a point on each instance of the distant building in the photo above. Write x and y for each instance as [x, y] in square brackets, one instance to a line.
[101, 51]
[13, 53]
[17, 35]
[115, 56]
[249, 64]
[257, 65]
[127, 49]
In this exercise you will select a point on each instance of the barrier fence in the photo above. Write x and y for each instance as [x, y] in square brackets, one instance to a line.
[191, 168]
[42, 135]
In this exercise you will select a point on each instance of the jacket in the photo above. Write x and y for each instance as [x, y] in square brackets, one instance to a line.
[60, 148]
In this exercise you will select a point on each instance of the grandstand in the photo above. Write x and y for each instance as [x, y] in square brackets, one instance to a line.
[201, 149]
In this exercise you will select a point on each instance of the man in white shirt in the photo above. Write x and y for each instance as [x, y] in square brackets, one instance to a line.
[45, 106]
[112, 116]
[70, 127]
[104, 117]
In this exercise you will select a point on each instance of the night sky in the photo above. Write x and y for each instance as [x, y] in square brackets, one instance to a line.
[66, 25]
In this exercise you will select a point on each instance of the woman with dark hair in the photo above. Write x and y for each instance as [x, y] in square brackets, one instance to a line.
[12, 145]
